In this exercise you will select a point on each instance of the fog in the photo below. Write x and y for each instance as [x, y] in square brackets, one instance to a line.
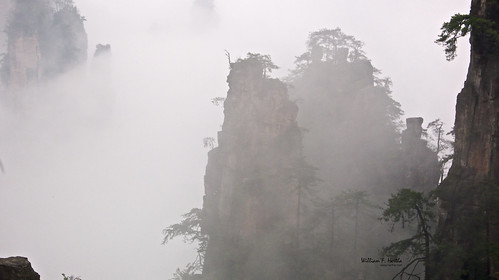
[100, 160]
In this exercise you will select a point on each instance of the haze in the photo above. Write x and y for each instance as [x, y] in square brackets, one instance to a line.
[99, 161]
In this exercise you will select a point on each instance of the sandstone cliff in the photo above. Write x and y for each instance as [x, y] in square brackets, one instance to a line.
[252, 182]
[469, 222]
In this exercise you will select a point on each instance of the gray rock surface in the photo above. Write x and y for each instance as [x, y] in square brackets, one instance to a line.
[17, 268]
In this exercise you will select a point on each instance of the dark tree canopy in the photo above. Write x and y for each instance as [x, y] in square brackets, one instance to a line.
[460, 26]
[409, 207]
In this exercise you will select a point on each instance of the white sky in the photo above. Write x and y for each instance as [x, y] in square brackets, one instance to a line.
[89, 196]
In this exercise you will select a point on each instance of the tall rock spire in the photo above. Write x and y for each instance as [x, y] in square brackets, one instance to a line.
[251, 183]
[43, 40]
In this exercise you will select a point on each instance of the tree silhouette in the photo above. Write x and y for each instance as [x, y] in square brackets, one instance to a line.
[190, 230]
[460, 25]
[405, 208]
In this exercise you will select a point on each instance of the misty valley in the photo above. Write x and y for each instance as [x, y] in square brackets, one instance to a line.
[163, 140]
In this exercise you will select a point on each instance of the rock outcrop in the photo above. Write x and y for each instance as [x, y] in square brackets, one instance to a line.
[421, 167]
[469, 196]
[350, 135]
[252, 180]
[44, 39]
[353, 139]
[5, 8]
[24, 61]
[17, 268]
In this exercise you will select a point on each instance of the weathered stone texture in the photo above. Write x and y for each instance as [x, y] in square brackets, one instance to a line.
[17, 268]
[468, 218]
[251, 200]
[420, 164]
[5, 8]
[24, 61]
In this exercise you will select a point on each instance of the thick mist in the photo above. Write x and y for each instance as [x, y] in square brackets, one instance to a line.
[99, 160]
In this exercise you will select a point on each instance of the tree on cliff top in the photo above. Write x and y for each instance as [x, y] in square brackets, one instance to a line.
[328, 45]
[258, 61]
[460, 25]
[325, 43]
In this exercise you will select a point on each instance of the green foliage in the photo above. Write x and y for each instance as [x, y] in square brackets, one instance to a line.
[441, 143]
[218, 101]
[477, 212]
[327, 45]
[324, 49]
[261, 61]
[306, 177]
[353, 198]
[189, 273]
[328, 41]
[353, 139]
[460, 25]
[305, 174]
[190, 230]
[406, 208]
[29, 17]
[209, 142]
[57, 27]
[65, 43]
[63, 4]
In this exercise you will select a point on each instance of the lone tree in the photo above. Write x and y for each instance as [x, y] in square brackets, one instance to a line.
[460, 25]
[190, 229]
[408, 207]
[263, 61]
[441, 143]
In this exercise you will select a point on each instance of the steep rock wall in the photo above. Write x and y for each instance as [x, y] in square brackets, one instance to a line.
[469, 217]
[5, 8]
[420, 165]
[24, 61]
[250, 203]
[44, 39]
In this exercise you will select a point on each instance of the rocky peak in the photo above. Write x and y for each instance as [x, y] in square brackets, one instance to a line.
[421, 168]
[413, 130]
[42, 42]
[250, 198]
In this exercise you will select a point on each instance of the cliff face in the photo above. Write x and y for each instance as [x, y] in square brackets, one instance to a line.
[251, 186]
[5, 8]
[353, 139]
[350, 138]
[43, 40]
[24, 61]
[420, 164]
[469, 220]
[65, 43]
